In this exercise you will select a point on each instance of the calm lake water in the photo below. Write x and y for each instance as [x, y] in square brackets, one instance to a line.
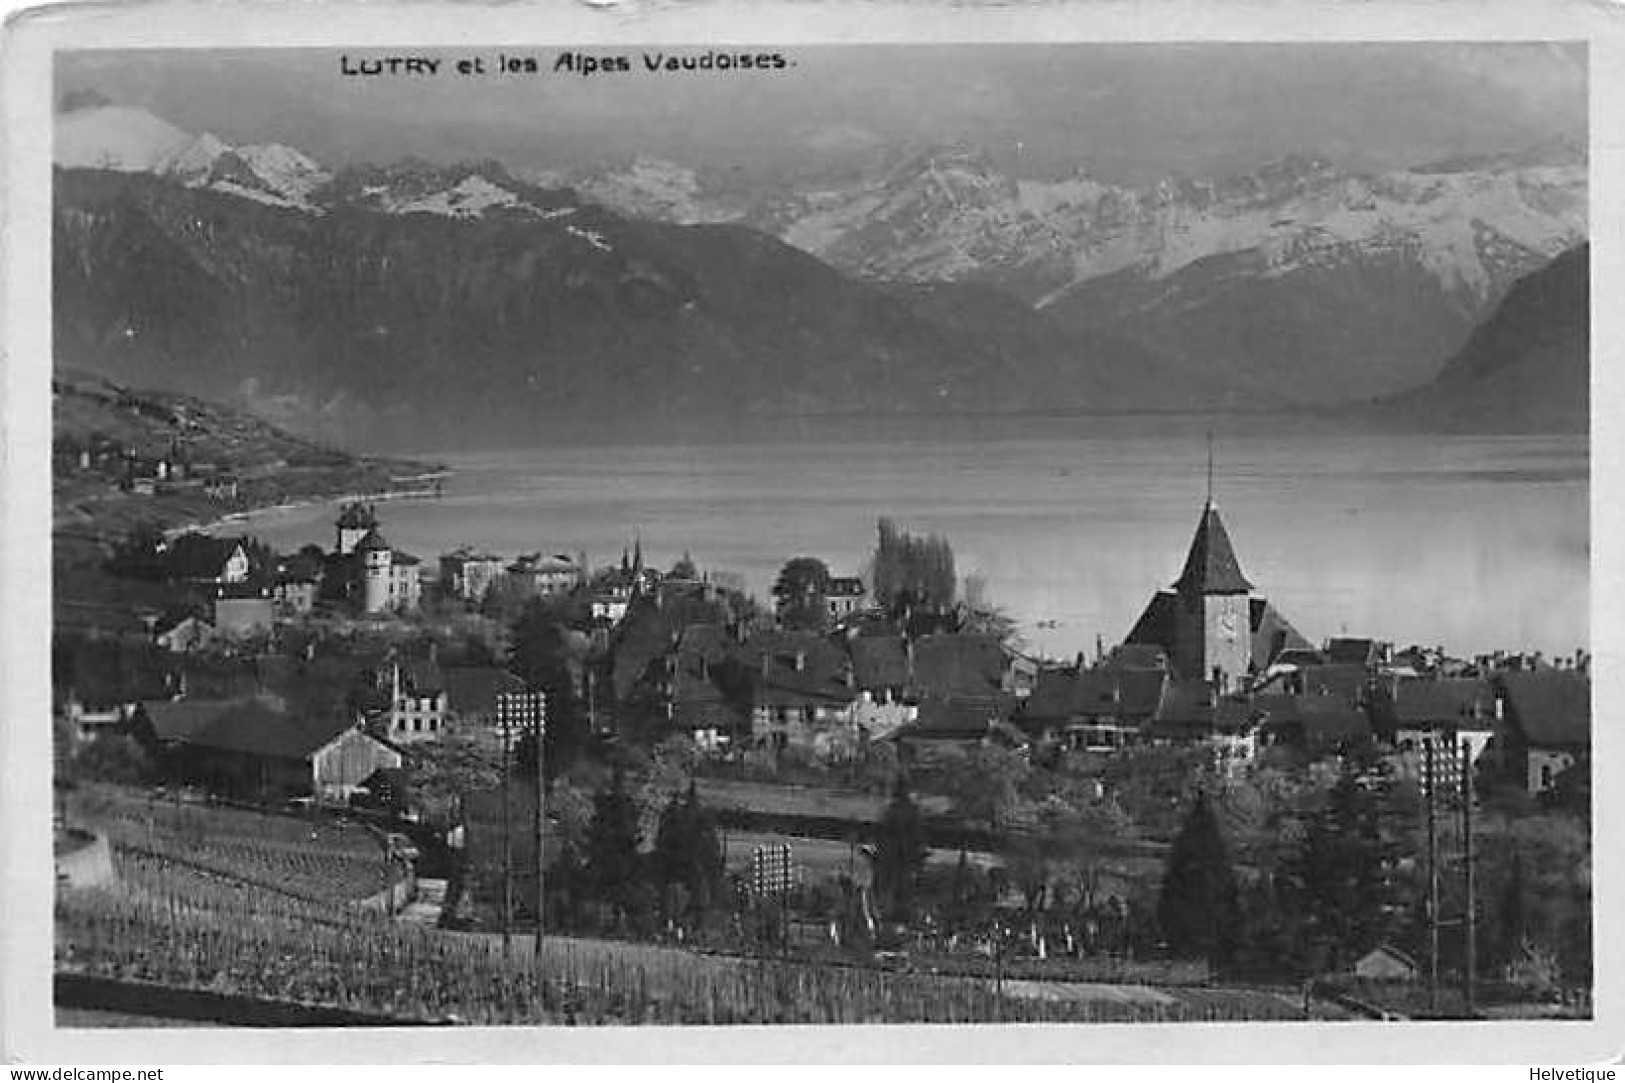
[1470, 542]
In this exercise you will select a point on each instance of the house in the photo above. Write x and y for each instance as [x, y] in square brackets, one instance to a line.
[253, 751]
[1208, 622]
[880, 667]
[802, 693]
[469, 575]
[188, 633]
[294, 594]
[704, 684]
[200, 558]
[1320, 725]
[1351, 651]
[1099, 708]
[1407, 710]
[535, 576]
[1386, 963]
[1543, 725]
[243, 609]
[845, 595]
[417, 701]
[1195, 712]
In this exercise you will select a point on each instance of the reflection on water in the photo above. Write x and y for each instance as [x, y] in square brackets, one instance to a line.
[1469, 542]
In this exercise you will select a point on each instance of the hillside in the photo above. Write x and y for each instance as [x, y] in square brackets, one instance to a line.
[440, 328]
[1299, 279]
[220, 461]
[1525, 369]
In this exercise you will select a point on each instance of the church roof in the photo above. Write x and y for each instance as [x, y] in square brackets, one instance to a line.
[1211, 567]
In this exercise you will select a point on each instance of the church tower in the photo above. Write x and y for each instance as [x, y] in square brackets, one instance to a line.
[1213, 620]
[352, 525]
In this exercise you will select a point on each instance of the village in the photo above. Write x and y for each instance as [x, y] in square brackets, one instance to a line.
[869, 769]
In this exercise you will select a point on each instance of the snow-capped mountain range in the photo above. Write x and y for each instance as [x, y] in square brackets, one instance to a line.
[951, 214]
[134, 141]
[1300, 282]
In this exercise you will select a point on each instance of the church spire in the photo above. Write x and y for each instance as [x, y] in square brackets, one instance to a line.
[1209, 468]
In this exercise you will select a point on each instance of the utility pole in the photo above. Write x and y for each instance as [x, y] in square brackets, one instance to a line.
[504, 716]
[1467, 866]
[1431, 783]
[538, 704]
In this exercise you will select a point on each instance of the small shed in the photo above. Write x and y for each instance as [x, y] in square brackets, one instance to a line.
[1386, 963]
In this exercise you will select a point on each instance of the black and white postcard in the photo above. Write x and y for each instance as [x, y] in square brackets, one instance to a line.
[540, 529]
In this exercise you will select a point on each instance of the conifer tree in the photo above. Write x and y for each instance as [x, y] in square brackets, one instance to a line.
[900, 851]
[612, 845]
[1198, 908]
[687, 852]
[1341, 875]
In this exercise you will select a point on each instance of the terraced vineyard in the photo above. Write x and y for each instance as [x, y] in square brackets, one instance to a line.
[410, 975]
[245, 905]
[318, 860]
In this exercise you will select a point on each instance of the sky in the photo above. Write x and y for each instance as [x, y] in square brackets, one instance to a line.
[1120, 112]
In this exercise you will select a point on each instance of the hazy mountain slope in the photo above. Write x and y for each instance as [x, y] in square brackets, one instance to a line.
[359, 323]
[1525, 369]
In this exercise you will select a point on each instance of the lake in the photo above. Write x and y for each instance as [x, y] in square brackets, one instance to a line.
[1471, 542]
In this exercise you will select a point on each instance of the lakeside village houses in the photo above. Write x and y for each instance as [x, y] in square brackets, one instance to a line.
[1209, 663]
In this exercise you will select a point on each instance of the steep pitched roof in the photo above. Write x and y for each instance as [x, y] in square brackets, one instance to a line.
[1273, 634]
[799, 668]
[1315, 720]
[200, 556]
[1130, 695]
[1439, 700]
[1211, 566]
[959, 665]
[1550, 707]
[958, 718]
[1190, 708]
[878, 662]
[1156, 625]
[180, 719]
[1353, 651]
[256, 729]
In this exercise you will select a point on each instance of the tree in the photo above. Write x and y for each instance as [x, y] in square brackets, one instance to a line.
[908, 568]
[1198, 908]
[542, 656]
[800, 593]
[687, 854]
[612, 847]
[899, 855]
[986, 785]
[1341, 875]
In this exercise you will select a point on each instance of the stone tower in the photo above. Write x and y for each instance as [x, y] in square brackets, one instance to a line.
[1213, 622]
[376, 560]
